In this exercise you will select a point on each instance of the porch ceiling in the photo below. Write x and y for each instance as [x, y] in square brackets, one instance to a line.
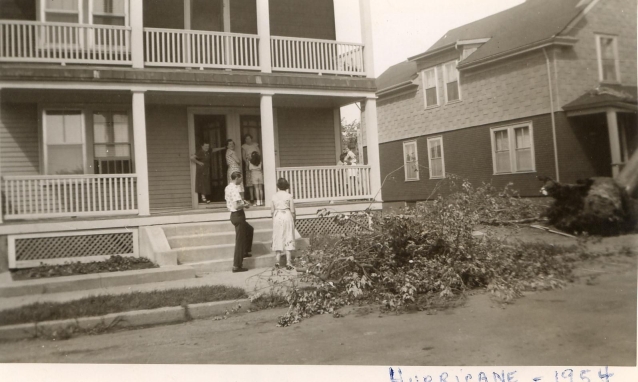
[246, 100]
[65, 96]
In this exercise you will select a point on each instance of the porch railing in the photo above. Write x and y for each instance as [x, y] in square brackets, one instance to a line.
[33, 41]
[189, 48]
[43, 196]
[308, 184]
[316, 56]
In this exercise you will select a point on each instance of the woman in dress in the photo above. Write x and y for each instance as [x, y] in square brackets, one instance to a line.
[234, 164]
[247, 150]
[283, 223]
[202, 158]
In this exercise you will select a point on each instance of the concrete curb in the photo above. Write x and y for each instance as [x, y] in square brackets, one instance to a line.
[95, 281]
[161, 316]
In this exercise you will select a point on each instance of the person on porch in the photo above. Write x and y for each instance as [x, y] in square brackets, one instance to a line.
[243, 231]
[202, 173]
[234, 164]
[247, 150]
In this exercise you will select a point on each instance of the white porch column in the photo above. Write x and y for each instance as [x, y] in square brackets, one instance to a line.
[372, 139]
[137, 33]
[614, 142]
[338, 140]
[268, 149]
[2, 202]
[263, 29]
[366, 36]
[141, 157]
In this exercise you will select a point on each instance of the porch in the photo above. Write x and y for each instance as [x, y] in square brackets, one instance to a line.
[181, 34]
[98, 155]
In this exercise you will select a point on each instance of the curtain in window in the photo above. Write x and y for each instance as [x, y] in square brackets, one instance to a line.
[429, 83]
[62, 11]
[410, 161]
[64, 142]
[109, 12]
[112, 146]
[436, 158]
[523, 149]
[502, 155]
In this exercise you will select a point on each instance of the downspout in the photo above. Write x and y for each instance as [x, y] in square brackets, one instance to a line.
[551, 108]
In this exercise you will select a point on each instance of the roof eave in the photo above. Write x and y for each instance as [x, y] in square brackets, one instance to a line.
[552, 41]
[444, 48]
[395, 88]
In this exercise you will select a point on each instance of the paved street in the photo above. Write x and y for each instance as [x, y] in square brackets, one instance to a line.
[592, 322]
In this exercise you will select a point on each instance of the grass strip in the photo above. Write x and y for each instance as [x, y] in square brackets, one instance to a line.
[106, 304]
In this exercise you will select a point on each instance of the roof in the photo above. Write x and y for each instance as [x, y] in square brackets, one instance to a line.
[522, 25]
[617, 96]
[396, 75]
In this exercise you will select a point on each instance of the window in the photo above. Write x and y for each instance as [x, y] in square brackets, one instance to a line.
[435, 156]
[451, 76]
[62, 11]
[431, 93]
[111, 142]
[513, 149]
[410, 161]
[109, 12]
[607, 50]
[64, 151]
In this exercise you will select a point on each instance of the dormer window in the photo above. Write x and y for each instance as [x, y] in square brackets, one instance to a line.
[467, 52]
[451, 77]
[608, 65]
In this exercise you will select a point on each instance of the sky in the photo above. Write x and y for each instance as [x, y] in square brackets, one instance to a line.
[404, 28]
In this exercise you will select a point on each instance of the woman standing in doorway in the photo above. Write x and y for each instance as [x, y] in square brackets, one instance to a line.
[247, 150]
[234, 164]
[283, 223]
[202, 158]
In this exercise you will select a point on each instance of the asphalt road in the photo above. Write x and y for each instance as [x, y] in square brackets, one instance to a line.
[591, 322]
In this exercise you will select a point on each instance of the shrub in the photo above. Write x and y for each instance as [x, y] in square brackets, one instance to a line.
[425, 255]
[115, 263]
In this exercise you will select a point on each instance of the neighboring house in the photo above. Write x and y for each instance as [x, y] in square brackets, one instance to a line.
[102, 103]
[544, 88]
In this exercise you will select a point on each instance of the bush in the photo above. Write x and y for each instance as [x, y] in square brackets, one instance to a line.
[115, 263]
[424, 256]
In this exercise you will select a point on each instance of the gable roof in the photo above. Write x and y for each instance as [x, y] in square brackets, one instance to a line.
[396, 77]
[531, 22]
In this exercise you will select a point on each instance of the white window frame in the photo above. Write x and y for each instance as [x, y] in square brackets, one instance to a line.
[458, 82]
[405, 163]
[430, 140]
[512, 148]
[436, 87]
[45, 145]
[599, 57]
[126, 14]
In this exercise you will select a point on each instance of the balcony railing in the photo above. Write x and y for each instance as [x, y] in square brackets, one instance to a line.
[32, 41]
[316, 56]
[44, 196]
[310, 184]
[188, 48]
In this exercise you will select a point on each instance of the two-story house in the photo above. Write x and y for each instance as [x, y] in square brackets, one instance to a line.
[544, 88]
[103, 103]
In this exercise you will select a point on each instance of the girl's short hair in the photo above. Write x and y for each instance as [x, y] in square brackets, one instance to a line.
[246, 136]
[343, 156]
[255, 158]
[228, 141]
[283, 184]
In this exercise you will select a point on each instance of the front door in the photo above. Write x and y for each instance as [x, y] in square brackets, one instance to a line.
[211, 177]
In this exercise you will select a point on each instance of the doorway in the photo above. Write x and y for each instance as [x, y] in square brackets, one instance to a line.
[211, 129]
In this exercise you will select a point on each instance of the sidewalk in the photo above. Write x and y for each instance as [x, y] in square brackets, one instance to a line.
[252, 280]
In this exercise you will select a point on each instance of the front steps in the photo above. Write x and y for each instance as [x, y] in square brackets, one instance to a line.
[209, 247]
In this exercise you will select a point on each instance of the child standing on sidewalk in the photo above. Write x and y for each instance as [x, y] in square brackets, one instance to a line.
[257, 177]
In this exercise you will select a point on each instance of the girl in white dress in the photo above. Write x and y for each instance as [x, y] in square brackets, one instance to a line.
[257, 176]
[283, 219]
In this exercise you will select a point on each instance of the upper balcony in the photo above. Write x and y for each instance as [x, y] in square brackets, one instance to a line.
[261, 35]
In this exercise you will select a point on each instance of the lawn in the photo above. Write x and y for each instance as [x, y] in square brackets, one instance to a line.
[105, 304]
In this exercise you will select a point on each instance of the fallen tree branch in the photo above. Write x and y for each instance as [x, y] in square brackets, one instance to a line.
[551, 230]
[519, 221]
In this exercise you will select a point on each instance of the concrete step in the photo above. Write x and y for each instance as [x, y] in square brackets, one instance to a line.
[212, 227]
[226, 265]
[218, 238]
[215, 252]
[95, 281]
